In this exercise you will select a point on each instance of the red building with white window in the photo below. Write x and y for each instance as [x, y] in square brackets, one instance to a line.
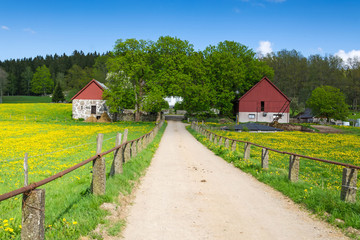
[263, 103]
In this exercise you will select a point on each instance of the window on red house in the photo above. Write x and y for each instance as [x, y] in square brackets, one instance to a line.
[262, 106]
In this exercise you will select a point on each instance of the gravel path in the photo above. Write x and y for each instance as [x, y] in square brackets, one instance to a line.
[189, 193]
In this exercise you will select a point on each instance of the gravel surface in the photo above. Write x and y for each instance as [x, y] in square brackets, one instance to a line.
[190, 193]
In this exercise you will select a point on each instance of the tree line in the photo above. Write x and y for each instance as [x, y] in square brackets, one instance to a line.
[39, 75]
[140, 73]
[297, 76]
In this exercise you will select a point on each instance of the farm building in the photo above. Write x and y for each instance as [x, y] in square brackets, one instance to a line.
[88, 101]
[264, 102]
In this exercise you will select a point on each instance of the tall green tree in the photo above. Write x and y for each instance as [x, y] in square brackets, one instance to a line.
[232, 69]
[132, 58]
[27, 76]
[290, 73]
[328, 102]
[3, 82]
[58, 95]
[41, 82]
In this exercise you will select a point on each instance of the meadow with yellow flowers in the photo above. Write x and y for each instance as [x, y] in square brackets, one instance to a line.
[319, 183]
[55, 142]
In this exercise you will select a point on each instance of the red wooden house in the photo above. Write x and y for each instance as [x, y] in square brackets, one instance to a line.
[264, 102]
[88, 101]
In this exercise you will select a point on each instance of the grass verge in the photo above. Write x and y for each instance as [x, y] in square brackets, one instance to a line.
[84, 208]
[321, 201]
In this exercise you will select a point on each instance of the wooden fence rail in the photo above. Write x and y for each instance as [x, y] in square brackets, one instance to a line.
[33, 206]
[349, 180]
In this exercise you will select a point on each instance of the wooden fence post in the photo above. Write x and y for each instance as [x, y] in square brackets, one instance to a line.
[26, 173]
[226, 143]
[99, 174]
[294, 165]
[233, 146]
[247, 148]
[220, 141]
[116, 167]
[127, 153]
[133, 149]
[211, 137]
[126, 132]
[215, 140]
[265, 158]
[33, 215]
[348, 188]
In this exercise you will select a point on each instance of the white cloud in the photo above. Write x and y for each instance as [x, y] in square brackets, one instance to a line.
[29, 30]
[5, 28]
[346, 55]
[264, 48]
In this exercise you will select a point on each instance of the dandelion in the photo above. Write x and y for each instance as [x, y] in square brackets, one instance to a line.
[74, 222]
[64, 219]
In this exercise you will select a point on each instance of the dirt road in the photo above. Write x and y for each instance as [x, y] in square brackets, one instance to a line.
[189, 193]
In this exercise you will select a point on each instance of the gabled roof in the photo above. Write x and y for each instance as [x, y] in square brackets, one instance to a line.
[99, 84]
[273, 85]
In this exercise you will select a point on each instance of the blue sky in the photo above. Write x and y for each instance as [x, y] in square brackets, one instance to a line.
[38, 27]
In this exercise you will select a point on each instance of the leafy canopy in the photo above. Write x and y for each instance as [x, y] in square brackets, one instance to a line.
[328, 102]
[41, 82]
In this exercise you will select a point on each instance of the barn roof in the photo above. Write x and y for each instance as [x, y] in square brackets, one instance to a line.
[273, 85]
[97, 83]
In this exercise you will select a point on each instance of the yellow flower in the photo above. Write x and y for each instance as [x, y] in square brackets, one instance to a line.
[6, 224]
[5, 221]
[74, 222]
[64, 219]
[11, 219]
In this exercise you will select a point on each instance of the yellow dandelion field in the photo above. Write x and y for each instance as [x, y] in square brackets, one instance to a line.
[336, 147]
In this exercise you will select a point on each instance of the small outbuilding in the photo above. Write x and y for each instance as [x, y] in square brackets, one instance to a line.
[88, 101]
[264, 102]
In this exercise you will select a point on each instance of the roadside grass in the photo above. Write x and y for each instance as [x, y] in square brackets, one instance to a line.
[319, 195]
[26, 99]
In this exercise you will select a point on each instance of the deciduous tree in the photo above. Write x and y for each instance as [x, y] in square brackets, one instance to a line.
[41, 82]
[328, 102]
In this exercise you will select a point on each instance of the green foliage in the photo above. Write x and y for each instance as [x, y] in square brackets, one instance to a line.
[58, 95]
[121, 94]
[77, 77]
[179, 106]
[328, 102]
[232, 69]
[41, 82]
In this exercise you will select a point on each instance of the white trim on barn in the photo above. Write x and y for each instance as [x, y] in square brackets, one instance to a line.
[262, 117]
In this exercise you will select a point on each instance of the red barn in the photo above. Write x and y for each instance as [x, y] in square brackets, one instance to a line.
[88, 101]
[263, 103]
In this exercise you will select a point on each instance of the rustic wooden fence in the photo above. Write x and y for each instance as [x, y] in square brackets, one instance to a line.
[349, 178]
[33, 205]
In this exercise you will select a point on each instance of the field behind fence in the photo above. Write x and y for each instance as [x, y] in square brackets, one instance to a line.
[53, 147]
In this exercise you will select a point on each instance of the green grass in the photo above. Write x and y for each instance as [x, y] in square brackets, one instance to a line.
[26, 99]
[317, 198]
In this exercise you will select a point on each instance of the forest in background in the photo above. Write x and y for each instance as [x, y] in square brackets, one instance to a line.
[294, 74]
[72, 72]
